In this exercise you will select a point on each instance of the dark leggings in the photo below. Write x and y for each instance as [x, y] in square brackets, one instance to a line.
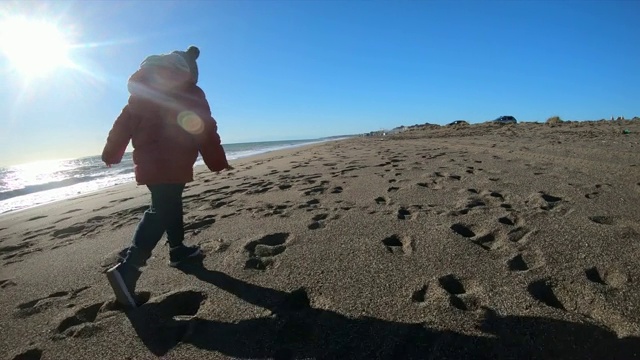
[164, 215]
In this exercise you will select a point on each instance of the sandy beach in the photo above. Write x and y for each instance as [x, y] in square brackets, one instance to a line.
[483, 241]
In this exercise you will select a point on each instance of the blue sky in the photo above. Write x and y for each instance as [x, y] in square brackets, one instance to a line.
[305, 69]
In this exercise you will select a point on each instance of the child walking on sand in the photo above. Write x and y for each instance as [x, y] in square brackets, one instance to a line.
[169, 122]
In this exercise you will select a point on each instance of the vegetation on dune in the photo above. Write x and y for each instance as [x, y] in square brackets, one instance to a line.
[554, 120]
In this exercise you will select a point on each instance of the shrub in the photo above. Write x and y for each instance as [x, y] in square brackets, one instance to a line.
[554, 120]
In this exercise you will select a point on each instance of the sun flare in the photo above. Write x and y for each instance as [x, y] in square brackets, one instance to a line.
[32, 47]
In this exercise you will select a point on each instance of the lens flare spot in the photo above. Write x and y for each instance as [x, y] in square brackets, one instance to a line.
[191, 122]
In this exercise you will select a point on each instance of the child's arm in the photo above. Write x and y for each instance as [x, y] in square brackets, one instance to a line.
[209, 143]
[118, 139]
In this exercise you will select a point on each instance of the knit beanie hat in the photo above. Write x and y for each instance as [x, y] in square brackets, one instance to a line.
[190, 56]
[178, 60]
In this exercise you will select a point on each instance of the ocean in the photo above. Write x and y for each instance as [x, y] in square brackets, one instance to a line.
[38, 183]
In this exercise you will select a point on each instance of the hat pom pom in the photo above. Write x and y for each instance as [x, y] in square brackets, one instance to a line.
[193, 52]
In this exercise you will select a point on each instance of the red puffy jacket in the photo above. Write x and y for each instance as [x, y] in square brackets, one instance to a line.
[167, 131]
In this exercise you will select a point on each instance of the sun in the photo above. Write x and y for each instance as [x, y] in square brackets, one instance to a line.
[33, 47]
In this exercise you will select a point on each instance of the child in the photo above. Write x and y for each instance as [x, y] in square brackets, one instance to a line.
[169, 121]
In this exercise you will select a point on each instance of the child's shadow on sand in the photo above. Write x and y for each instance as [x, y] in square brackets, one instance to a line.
[296, 330]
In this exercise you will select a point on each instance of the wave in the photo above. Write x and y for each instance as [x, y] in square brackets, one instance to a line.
[46, 186]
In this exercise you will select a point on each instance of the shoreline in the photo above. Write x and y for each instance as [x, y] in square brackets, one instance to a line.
[196, 169]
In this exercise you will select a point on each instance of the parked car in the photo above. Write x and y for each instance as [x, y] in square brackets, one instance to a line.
[506, 120]
[458, 122]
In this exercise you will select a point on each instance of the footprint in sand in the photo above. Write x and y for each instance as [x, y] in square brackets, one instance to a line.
[463, 230]
[603, 220]
[381, 200]
[93, 224]
[505, 220]
[318, 221]
[595, 194]
[550, 198]
[517, 263]
[279, 209]
[16, 253]
[13, 248]
[39, 305]
[86, 228]
[545, 201]
[452, 284]
[168, 320]
[404, 214]
[488, 241]
[497, 195]
[543, 290]
[594, 302]
[429, 185]
[61, 220]
[261, 189]
[396, 244]
[6, 283]
[468, 205]
[346, 207]
[312, 179]
[420, 296]
[316, 190]
[132, 211]
[310, 205]
[82, 324]
[613, 278]
[68, 231]
[216, 203]
[458, 296]
[261, 252]
[592, 195]
[583, 300]
[30, 354]
[235, 191]
[346, 170]
[200, 222]
[519, 234]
